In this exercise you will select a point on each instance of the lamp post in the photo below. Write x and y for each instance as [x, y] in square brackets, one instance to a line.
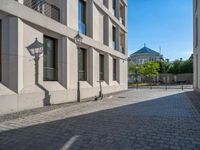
[36, 49]
[78, 41]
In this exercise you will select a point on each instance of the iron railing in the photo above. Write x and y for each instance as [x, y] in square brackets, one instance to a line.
[44, 8]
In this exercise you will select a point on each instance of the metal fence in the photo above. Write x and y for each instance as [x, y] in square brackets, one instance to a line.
[163, 81]
[45, 8]
[160, 86]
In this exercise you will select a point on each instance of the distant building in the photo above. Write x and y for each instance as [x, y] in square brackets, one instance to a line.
[145, 54]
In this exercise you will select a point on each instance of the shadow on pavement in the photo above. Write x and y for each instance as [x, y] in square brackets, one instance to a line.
[163, 123]
[194, 97]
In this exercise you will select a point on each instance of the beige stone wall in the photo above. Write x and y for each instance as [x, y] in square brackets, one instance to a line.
[21, 25]
[196, 43]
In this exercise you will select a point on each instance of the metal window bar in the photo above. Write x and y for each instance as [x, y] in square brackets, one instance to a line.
[45, 8]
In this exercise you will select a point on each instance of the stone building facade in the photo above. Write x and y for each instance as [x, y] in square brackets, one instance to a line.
[102, 54]
[196, 43]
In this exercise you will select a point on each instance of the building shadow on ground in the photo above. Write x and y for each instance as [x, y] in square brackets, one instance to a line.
[161, 123]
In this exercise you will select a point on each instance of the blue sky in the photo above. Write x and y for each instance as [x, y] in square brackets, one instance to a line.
[165, 23]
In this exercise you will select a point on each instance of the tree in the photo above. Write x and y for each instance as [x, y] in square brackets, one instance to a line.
[132, 68]
[134, 71]
[180, 66]
[175, 68]
[187, 66]
[150, 69]
[164, 67]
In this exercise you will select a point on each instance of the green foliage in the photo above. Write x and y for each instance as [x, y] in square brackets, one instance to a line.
[164, 67]
[133, 68]
[179, 67]
[150, 69]
[187, 66]
[175, 68]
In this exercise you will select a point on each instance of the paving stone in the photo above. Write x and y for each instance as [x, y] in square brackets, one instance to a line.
[144, 119]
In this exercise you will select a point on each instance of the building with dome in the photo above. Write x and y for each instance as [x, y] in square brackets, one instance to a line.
[145, 54]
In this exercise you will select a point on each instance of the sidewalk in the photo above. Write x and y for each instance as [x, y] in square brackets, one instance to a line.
[136, 119]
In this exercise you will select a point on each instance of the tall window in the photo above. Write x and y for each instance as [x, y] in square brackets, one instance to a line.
[122, 13]
[114, 7]
[114, 69]
[0, 49]
[197, 32]
[105, 3]
[50, 59]
[196, 5]
[197, 70]
[122, 42]
[82, 64]
[114, 37]
[101, 67]
[105, 33]
[82, 16]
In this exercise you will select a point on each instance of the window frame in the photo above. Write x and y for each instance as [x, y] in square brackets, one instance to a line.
[114, 69]
[82, 16]
[114, 37]
[101, 67]
[196, 5]
[122, 12]
[197, 32]
[55, 41]
[84, 62]
[197, 70]
[114, 7]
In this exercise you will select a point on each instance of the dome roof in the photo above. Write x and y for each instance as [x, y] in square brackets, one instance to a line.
[146, 50]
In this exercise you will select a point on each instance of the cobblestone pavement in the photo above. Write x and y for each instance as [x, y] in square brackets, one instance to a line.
[136, 119]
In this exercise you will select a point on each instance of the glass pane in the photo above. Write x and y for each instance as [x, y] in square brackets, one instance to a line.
[50, 71]
[101, 67]
[82, 63]
[114, 70]
[114, 37]
[82, 16]
[114, 7]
